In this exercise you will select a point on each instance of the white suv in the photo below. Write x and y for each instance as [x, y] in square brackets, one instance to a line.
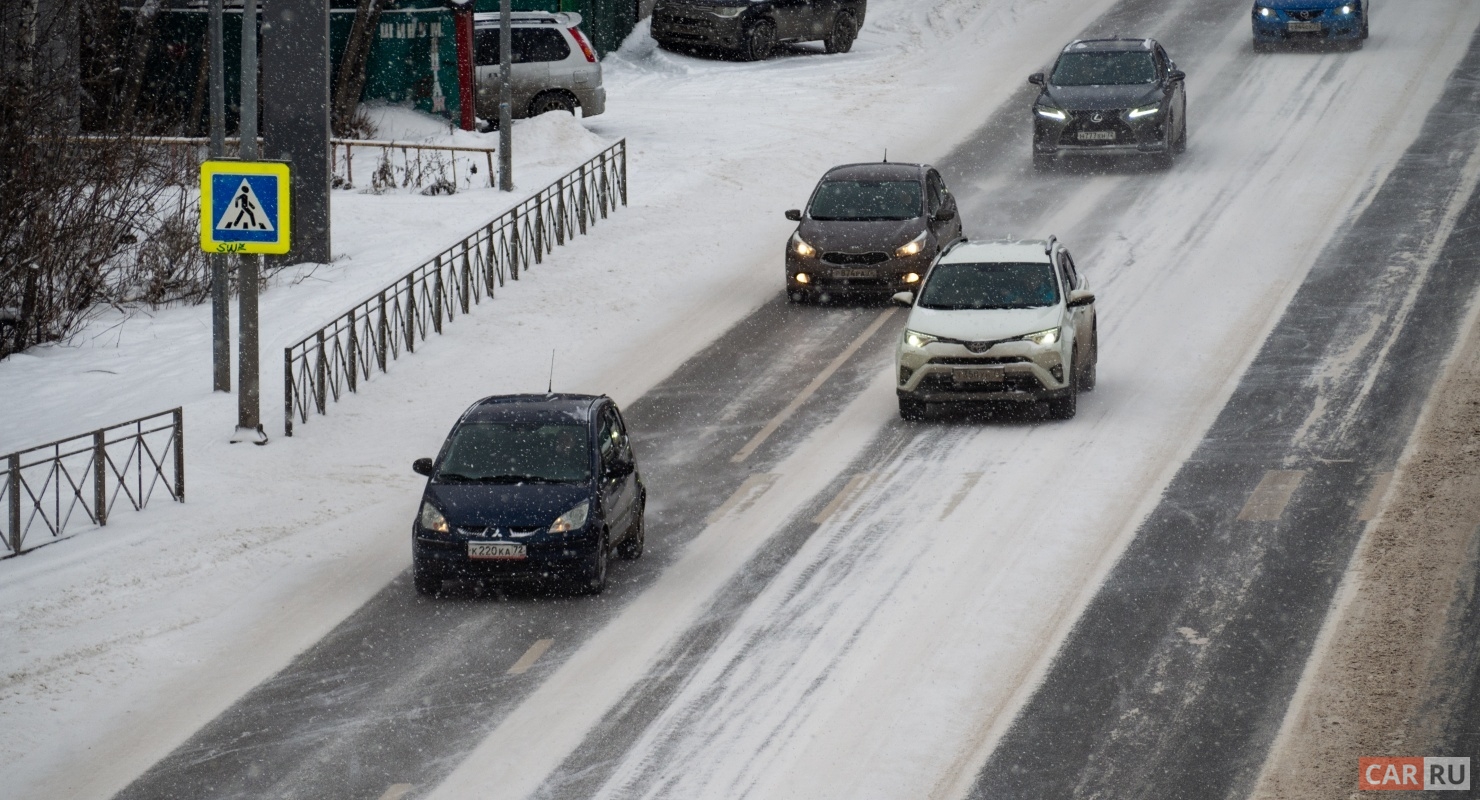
[1000, 320]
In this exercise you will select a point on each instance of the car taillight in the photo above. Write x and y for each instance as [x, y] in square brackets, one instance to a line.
[585, 46]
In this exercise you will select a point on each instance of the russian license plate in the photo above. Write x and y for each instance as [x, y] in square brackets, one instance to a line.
[495, 550]
[853, 273]
[977, 376]
[1303, 27]
[1097, 136]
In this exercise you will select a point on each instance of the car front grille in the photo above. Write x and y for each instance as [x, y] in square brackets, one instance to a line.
[1097, 122]
[978, 362]
[1011, 382]
[842, 259]
[683, 17]
[1306, 15]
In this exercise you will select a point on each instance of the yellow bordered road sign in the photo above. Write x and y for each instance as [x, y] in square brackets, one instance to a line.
[244, 207]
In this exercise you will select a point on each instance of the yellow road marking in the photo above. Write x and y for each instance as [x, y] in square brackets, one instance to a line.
[1373, 505]
[791, 408]
[849, 489]
[745, 496]
[397, 791]
[530, 656]
[1273, 493]
[966, 487]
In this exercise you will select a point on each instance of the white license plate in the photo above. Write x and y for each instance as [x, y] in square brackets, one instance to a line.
[977, 376]
[1097, 136]
[853, 273]
[495, 550]
[1303, 27]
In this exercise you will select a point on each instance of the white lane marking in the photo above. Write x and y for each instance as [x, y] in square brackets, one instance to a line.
[530, 656]
[966, 487]
[1373, 504]
[854, 485]
[1273, 493]
[397, 791]
[791, 408]
[745, 495]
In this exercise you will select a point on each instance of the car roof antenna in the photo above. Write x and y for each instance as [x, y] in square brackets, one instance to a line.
[550, 387]
[886, 155]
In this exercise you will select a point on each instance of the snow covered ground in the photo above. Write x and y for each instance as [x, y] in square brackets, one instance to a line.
[124, 641]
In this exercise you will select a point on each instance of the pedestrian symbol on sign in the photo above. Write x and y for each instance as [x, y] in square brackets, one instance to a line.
[249, 214]
[244, 207]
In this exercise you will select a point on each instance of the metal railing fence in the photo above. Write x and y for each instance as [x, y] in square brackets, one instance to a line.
[335, 358]
[49, 488]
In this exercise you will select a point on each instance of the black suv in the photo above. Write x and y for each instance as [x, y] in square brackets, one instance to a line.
[1110, 96]
[753, 28]
[529, 488]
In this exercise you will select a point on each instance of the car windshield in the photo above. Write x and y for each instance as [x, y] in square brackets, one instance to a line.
[517, 452]
[956, 287]
[1104, 69]
[867, 200]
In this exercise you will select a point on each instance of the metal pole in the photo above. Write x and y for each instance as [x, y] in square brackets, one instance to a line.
[505, 99]
[220, 277]
[248, 416]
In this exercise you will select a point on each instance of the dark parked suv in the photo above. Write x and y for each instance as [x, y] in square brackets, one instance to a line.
[529, 488]
[869, 229]
[1110, 96]
[753, 28]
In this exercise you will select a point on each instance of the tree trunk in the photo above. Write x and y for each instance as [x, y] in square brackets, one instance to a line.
[352, 64]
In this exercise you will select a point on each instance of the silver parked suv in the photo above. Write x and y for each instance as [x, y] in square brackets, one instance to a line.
[553, 65]
[1001, 320]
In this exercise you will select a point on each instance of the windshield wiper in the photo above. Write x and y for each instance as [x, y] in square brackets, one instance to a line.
[454, 477]
[519, 479]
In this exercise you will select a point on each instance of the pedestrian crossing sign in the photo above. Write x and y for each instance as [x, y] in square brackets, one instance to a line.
[244, 207]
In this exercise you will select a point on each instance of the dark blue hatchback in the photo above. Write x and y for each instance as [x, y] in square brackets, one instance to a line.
[530, 488]
[1316, 21]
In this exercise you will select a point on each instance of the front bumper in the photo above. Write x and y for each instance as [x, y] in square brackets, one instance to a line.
[944, 372]
[856, 273]
[1114, 132]
[697, 28]
[546, 557]
[1315, 25]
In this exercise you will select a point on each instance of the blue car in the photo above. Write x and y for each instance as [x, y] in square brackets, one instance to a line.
[530, 488]
[1315, 21]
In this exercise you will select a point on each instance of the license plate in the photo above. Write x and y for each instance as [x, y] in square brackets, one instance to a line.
[1097, 136]
[977, 376]
[1303, 27]
[853, 273]
[495, 550]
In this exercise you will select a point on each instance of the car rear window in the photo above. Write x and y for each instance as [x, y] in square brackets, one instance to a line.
[866, 200]
[955, 287]
[1104, 69]
[530, 45]
[517, 452]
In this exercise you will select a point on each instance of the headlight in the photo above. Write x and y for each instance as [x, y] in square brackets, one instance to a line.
[432, 519]
[1265, 12]
[800, 246]
[572, 520]
[1344, 11]
[917, 339]
[1048, 112]
[913, 246]
[1047, 337]
[1145, 111]
[727, 13]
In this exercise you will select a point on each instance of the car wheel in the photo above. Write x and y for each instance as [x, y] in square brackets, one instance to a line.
[1088, 377]
[1262, 47]
[760, 41]
[1364, 26]
[1181, 145]
[427, 582]
[551, 101]
[631, 547]
[911, 410]
[1066, 405]
[593, 580]
[844, 33]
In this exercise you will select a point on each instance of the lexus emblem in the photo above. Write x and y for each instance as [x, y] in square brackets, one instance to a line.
[1097, 117]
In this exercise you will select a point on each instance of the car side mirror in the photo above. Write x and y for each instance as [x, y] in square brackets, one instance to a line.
[1036, 79]
[1081, 297]
[619, 468]
[904, 298]
[795, 215]
[1176, 75]
[422, 466]
[945, 214]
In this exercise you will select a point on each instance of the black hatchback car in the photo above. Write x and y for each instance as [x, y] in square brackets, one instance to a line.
[532, 488]
[753, 28]
[869, 229]
[1110, 96]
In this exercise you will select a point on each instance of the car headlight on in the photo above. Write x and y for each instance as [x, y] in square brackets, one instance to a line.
[1344, 11]
[913, 246]
[1144, 111]
[727, 13]
[1049, 112]
[917, 340]
[572, 520]
[1050, 336]
[1265, 12]
[800, 246]
[431, 519]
